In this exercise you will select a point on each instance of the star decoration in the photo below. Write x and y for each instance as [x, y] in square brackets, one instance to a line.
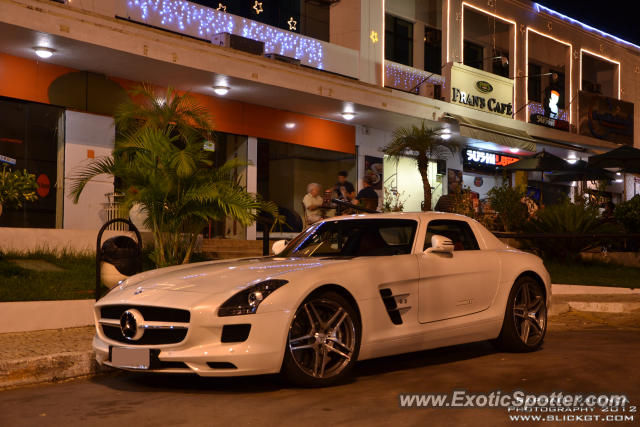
[549, 26]
[459, 16]
[637, 69]
[292, 24]
[257, 6]
[523, 28]
[221, 8]
[374, 36]
[491, 3]
[576, 55]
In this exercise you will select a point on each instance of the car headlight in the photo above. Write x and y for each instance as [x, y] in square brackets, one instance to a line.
[248, 300]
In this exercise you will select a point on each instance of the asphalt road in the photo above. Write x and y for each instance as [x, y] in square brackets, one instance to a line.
[582, 353]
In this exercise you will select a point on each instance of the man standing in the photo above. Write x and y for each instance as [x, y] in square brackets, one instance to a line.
[367, 197]
[344, 190]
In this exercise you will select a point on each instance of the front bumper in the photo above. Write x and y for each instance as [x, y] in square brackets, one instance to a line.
[203, 352]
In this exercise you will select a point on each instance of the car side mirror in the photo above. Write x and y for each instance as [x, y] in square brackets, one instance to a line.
[279, 246]
[440, 244]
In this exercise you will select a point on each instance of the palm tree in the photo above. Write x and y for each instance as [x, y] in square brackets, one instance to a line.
[421, 144]
[160, 160]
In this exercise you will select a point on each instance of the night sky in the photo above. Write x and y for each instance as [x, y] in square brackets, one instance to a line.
[615, 17]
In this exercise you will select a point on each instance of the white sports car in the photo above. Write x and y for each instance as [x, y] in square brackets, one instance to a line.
[346, 289]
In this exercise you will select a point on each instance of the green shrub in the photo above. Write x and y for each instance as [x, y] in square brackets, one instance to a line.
[566, 218]
[507, 202]
[628, 214]
[16, 188]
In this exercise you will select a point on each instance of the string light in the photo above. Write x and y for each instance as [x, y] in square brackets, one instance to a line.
[257, 6]
[292, 24]
[406, 78]
[204, 22]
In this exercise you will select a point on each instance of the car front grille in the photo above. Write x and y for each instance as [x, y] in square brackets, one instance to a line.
[157, 325]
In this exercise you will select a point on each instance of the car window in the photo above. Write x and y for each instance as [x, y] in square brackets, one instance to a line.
[459, 232]
[351, 238]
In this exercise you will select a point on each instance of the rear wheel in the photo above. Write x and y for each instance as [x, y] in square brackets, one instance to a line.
[525, 320]
[323, 341]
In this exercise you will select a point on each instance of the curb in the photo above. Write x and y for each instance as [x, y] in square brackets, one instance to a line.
[49, 368]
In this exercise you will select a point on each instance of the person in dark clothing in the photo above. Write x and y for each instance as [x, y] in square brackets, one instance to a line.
[344, 190]
[367, 197]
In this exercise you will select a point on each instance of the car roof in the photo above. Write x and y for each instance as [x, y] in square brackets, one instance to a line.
[402, 215]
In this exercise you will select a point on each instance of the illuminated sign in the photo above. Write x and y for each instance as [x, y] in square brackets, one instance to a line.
[485, 160]
[9, 160]
[606, 118]
[480, 90]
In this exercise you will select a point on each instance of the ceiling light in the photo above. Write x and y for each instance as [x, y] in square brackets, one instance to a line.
[44, 52]
[221, 90]
[618, 173]
[348, 115]
[290, 125]
[572, 161]
[445, 136]
[619, 180]
[514, 150]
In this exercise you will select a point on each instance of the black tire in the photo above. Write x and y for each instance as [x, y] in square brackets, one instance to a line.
[308, 343]
[514, 335]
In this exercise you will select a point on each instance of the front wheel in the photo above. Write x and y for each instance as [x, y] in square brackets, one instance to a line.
[323, 341]
[525, 319]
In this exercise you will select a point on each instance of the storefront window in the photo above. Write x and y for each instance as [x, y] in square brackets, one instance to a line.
[285, 170]
[432, 50]
[30, 136]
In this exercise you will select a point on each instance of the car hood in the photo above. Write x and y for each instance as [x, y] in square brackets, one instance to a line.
[220, 276]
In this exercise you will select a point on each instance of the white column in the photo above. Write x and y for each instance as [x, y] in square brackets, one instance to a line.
[252, 176]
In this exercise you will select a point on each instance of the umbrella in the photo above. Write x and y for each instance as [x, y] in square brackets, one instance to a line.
[581, 171]
[624, 157]
[541, 162]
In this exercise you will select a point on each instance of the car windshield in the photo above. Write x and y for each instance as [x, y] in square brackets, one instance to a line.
[353, 238]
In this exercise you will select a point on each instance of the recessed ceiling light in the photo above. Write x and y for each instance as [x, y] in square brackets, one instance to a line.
[348, 115]
[514, 150]
[44, 52]
[572, 161]
[445, 136]
[290, 125]
[221, 90]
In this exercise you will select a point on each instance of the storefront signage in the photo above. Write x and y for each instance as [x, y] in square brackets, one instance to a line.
[605, 118]
[539, 119]
[551, 113]
[7, 160]
[485, 160]
[480, 90]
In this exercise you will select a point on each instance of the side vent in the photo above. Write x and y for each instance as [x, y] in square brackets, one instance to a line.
[391, 305]
[239, 43]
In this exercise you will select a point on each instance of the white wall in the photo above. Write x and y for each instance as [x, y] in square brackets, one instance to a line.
[85, 132]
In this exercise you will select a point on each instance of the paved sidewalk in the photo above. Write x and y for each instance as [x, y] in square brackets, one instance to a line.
[43, 356]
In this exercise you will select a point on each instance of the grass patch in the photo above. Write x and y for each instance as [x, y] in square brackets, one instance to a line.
[75, 281]
[593, 274]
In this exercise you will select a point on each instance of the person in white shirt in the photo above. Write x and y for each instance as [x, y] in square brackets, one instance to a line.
[313, 203]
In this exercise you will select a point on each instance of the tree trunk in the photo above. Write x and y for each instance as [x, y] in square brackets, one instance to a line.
[423, 167]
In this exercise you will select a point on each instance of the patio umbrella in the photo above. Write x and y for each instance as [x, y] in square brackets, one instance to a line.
[541, 162]
[581, 171]
[624, 157]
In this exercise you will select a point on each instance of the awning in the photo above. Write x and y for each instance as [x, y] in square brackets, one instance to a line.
[490, 132]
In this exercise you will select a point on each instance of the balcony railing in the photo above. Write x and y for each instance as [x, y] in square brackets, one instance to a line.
[409, 79]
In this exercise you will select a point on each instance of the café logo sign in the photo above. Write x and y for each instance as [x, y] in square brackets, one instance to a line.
[484, 87]
[480, 90]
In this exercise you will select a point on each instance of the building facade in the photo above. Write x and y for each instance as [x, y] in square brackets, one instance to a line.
[302, 89]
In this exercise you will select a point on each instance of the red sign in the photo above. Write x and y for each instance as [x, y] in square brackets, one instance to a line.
[44, 185]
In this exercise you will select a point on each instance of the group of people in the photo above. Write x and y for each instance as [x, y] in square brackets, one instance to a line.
[318, 205]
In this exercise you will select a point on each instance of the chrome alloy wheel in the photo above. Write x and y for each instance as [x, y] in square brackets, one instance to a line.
[530, 314]
[322, 338]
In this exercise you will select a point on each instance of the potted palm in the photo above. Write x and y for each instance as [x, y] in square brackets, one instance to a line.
[422, 144]
[164, 170]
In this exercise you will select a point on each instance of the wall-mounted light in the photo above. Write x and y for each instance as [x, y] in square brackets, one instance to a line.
[221, 90]
[44, 52]
[290, 125]
[348, 115]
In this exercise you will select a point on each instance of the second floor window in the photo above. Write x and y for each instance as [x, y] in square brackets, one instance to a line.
[432, 50]
[398, 40]
[473, 55]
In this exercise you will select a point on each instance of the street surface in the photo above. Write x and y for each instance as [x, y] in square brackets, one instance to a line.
[582, 353]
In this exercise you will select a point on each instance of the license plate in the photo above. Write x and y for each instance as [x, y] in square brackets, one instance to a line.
[134, 358]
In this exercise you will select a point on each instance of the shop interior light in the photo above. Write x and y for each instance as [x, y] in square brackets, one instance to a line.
[221, 90]
[572, 161]
[514, 150]
[290, 125]
[619, 180]
[44, 52]
[348, 115]
[619, 173]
